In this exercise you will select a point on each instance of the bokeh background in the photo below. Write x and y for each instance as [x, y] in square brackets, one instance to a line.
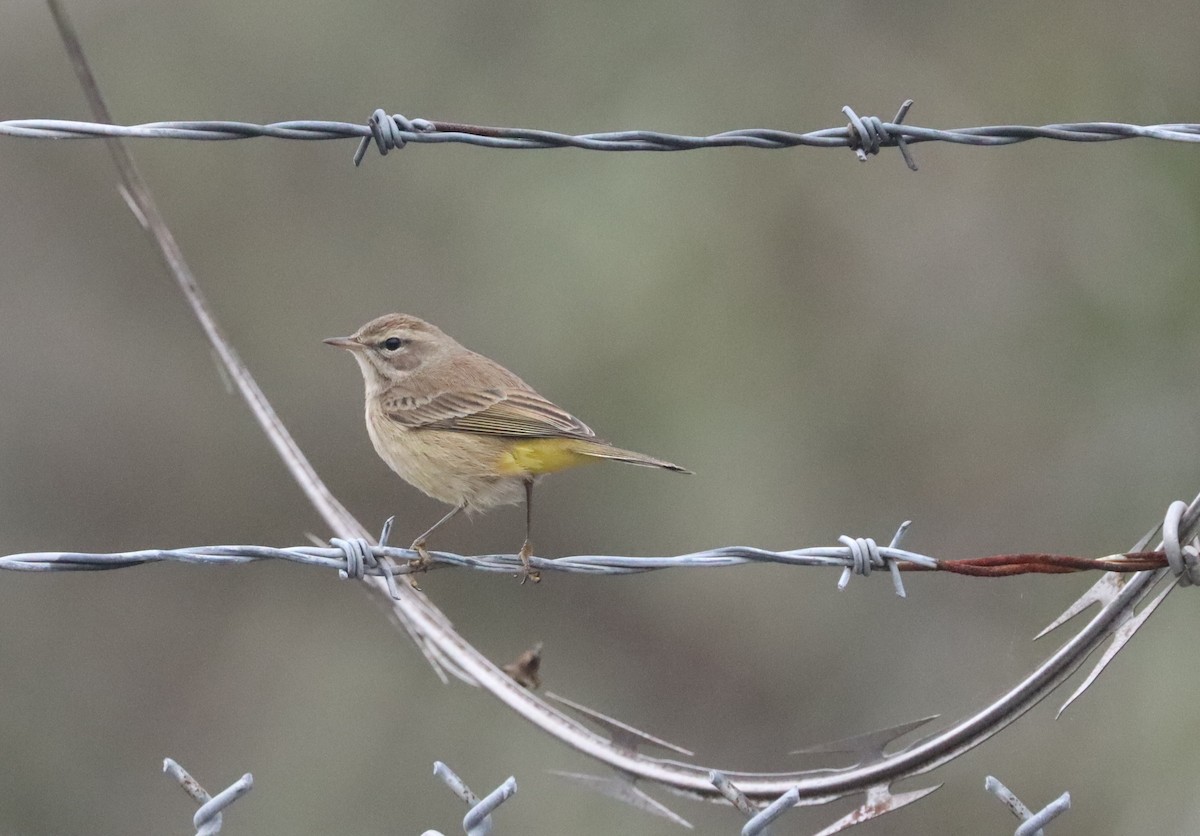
[1001, 347]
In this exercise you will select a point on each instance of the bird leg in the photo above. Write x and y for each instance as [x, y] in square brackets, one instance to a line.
[526, 552]
[423, 561]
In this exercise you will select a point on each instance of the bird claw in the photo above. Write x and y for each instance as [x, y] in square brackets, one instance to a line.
[421, 564]
[528, 573]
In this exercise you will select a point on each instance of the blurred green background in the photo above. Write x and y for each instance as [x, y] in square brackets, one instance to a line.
[1000, 347]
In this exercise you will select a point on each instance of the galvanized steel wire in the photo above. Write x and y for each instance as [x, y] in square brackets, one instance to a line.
[356, 558]
[864, 135]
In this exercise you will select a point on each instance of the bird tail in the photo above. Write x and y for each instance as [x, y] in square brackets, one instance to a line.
[602, 450]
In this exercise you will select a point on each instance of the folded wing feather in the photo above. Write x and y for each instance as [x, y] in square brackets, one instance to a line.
[506, 412]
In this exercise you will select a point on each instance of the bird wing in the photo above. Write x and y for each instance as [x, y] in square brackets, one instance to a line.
[507, 412]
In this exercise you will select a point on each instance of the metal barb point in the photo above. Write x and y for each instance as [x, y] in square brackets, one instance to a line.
[622, 734]
[457, 785]
[867, 747]
[624, 790]
[880, 800]
[386, 532]
[1120, 638]
[900, 141]
[735, 796]
[899, 535]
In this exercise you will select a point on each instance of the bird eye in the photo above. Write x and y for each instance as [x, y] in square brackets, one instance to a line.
[394, 343]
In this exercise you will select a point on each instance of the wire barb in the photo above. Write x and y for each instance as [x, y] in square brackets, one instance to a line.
[865, 554]
[621, 734]
[208, 819]
[1031, 823]
[477, 821]
[867, 136]
[622, 788]
[361, 555]
[388, 132]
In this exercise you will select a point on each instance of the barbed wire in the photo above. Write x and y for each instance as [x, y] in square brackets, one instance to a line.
[878, 764]
[357, 558]
[478, 821]
[865, 136]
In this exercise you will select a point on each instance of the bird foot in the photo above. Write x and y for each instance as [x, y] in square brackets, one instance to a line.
[421, 564]
[528, 573]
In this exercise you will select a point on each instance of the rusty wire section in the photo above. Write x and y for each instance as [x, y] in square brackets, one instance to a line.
[865, 135]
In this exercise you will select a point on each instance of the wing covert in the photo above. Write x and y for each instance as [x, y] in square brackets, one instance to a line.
[508, 412]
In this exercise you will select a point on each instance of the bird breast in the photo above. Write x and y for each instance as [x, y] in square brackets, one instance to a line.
[452, 467]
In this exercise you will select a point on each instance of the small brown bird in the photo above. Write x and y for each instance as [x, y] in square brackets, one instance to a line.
[462, 428]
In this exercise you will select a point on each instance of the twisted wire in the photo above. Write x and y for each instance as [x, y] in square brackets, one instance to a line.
[358, 558]
[864, 135]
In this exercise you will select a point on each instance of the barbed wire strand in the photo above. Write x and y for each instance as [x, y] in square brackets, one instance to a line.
[357, 558]
[865, 136]
[208, 819]
[1031, 823]
[448, 651]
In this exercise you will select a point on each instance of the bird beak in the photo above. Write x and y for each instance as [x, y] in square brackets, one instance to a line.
[344, 342]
